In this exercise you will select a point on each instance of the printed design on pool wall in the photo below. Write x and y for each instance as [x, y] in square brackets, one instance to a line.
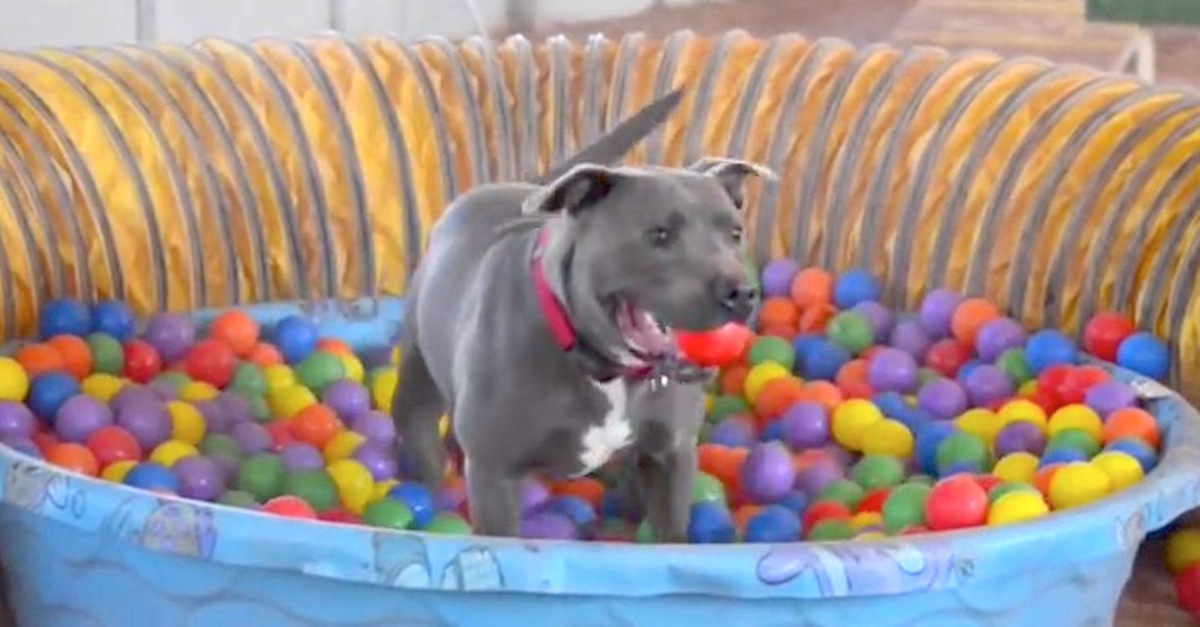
[863, 568]
[402, 561]
[39, 489]
[163, 525]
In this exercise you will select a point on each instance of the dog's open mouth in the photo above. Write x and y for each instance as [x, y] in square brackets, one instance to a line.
[645, 336]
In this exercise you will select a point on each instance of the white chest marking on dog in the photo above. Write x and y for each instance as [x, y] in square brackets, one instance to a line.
[601, 441]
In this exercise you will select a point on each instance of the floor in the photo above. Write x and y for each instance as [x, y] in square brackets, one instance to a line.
[1149, 599]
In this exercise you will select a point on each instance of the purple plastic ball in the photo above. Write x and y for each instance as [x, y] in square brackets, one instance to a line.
[777, 277]
[987, 384]
[236, 406]
[881, 318]
[910, 337]
[548, 526]
[805, 426]
[997, 336]
[813, 478]
[200, 478]
[252, 437]
[148, 421]
[163, 390]
[533, 494]
[768, 474]
[1107, 397]
[81, 416]
[1020, 435]
[22, 444]
[347, 398]
[301, 456]
[132, 394]
[378, 460]
[937, 310]
[16, 420]
[735, 431]
[216, 419]
[892, 370]
[944, 399]
[170, 334]
[376, 427]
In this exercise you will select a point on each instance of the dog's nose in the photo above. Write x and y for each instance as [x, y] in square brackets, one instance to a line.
[738, 296]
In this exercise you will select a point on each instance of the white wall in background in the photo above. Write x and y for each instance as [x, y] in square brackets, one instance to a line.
[186, 20]
[25, 23]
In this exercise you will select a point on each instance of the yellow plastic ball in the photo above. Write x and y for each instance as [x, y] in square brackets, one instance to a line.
[1183, 550]
[1123, 469]
[116, 471]
[187, 423]
[14, 381]
[1017, 506]
[353, 367]
[760, 375]
[1028, 388]
[1076, 484]
[102, 386]
[354, 483]
[172, 451]
[1017, 467]
[343, 445]
[382, 488]
[851, 419]
[871, 536]
[888, 437]
[981, 422]
[287, 402]
[443, 426]
[1022, 409]
[383, 387]
[278, 377]
[1076, 416]
[193, 391]
[862, 520]
[397, 355]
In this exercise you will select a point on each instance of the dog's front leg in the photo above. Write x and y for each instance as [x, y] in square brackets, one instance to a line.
[668, 479]
[494, 498]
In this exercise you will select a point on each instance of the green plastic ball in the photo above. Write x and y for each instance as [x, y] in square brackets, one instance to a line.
[263, 476]
[925, 375]
[319, 370]
[1015, 365]
[831, 530]
[843, 491]
[774, 349]
[925, 480]
[708, 489]
[219, 443]
[852, 331]
[962, 449]
[108, 356]
[725, 406]
[260, 411]
[388, 514]
[248, 380]
[173, 378]
[644, 533]
[905, 507]
[1074, 439]
[315, 487]
[1005, 487]
[238, 498]
[878, 471]
[449, 523]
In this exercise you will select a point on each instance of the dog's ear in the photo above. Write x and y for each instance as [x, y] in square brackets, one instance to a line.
[731, 174]
[581, 187]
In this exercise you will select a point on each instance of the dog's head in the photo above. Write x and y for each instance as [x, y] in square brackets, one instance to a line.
[653, 249]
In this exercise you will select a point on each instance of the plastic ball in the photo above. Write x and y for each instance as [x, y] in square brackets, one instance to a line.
[79, 417]
[346, 398]
[49, 391]
[419, 501]
[73, 457]
[75, 352]
[909, 336]
[774, 523]
[987, 384]
[548, 526]
[1074, 439]
[154, 477]
[1077, 484]
[822, 360]
[142, 361]
[997, 336]
[772, 349]
[40, 358]
[888, 437]
[947, 357]
[1139, 450]
[1022, 410]
[777, 277]
[1132, 422]
[1014, 364]
[290, 401]
[314, 486]
[290, 507]
[148, 420]
[262, 475]
[187, 424]
[1020, 436]
[767, 473]
[955, 503]
[1018, 466]
[1123, 469]
[717, 348]
[937, 311]
[316, 425]
[1015, 507]
[102, 387]
[905, 506]
[970, 317]
[64, 316]
[1076, 416]
[812, 287]
[237, 330]
[851, 331]
[854, 287]
[449, 523]
[117, 471]
[943, 398]
[710, 523]
[1183, 550]
[383, 388]
[14, 382]
[212, 362]
[882, 319]
[354, 483]
[843, 491]
[171, 335]
[1187, 590]
[16, 420]
[170, 452]
[295, 337]
[239, 499]
[878, 471]
[108, 356]
[1110, 396]
[200, 478]
[113, 318]
[319, 370]
[962, 450]
[892, 370]
[851, 420]
[734, 431]
[1104, 333]
[1048, 348]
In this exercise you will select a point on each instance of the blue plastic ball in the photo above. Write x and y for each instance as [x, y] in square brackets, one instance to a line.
[734, 432]
[578, 510]
[1063, 455]
[773, 432]
[822, 361]
[711, 523]
[296, 338]
[419, 500]
[1049, 348]
[929, 437]
[1138, 449]
[796, 500]
[854, 287]
[1145, 354]
[966, 369]
[152, 476]
[774, 523]
[47, 392]
[115, 318]
[890, 403]
[805, 342]
[64, 316]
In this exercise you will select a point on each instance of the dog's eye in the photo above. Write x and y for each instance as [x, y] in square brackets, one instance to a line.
[737, 233]
[660, 236]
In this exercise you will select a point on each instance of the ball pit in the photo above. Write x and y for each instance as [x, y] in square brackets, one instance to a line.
[880, 445]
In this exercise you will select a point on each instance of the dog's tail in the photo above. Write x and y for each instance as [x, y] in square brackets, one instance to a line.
[620, 139]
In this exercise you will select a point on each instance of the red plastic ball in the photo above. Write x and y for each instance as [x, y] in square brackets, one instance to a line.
[719, 347]
[74, 457]
[956, 503]
[114, 444]
[1079, 380]
[824, 510]
[142, 362]
[947, 356]
[290, 506]
[44, 440]
[341, 516]
[1187, 590]
[212, 362]
[1105, 332]
[281, 433]
[873, 501]
[987, 482]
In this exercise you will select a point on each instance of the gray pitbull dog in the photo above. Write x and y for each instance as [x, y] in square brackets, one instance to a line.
[541, 318]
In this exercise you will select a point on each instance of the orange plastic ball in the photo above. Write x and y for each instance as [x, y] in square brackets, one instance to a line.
[237, 330]
[335, 346]
[733, 379]
[39, 359]
[1044, 476]
[76, 354]
[780, 331]
[778, 311]
[586, 488]
[74, 457]
[776, 396]
[823, 392]
[724, 463]
[969, 317]
[1132, 422]
[852, 379]
[315, 425]
[812, 287]
[264, 355]
[814, 319]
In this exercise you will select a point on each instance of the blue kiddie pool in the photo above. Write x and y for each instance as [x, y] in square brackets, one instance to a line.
[79, 551]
